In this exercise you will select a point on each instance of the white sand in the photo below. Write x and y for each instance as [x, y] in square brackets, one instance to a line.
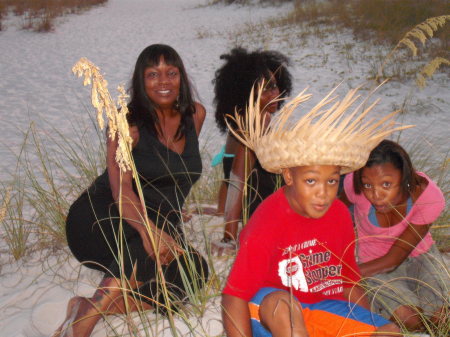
[36, 82]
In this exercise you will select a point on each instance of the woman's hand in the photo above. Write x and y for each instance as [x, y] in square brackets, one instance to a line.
[165, 246]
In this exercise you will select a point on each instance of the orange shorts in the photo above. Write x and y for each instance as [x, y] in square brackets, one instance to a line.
[331, 318]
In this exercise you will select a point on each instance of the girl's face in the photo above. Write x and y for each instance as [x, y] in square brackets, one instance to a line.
[382, 186]
[270, 91]
[162, 83]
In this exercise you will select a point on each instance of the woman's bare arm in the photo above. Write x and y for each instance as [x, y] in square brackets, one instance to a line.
[243, 163]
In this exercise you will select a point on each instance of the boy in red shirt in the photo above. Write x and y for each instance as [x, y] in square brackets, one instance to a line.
[295, 273]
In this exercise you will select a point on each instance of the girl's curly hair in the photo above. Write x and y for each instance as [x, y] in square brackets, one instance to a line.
[241, 71]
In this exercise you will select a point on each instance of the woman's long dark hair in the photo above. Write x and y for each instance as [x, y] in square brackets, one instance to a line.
[390, 152]
[142, 108]
[241, 71]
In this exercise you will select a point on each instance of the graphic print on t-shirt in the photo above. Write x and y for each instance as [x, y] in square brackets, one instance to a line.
[307, 268]
[292, 275]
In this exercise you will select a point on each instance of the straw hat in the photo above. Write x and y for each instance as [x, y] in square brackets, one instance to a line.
[323, 136]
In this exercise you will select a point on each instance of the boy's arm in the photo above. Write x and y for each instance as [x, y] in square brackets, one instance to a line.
[236, 316]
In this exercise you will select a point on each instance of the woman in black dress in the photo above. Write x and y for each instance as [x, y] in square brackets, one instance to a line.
[164, 124]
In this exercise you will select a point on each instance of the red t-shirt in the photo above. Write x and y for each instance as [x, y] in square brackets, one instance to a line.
[279, 248]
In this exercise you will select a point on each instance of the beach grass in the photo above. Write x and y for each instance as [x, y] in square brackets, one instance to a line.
[195, 318]
[37, 187]
[45, 181]
[379, 21]
[41, 15]
[36, 198]
[394, 26]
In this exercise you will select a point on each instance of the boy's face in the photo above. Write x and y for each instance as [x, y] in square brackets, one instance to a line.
[311, 189]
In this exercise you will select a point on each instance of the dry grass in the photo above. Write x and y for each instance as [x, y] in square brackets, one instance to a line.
[38, 192]
[2, 14]
[249, 2]
[379, 20]
[416, 30]
[40, 15]
[382, 22]
[389, 20]
[418, 37]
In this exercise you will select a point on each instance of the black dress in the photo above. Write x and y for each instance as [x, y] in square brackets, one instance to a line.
[93, 225]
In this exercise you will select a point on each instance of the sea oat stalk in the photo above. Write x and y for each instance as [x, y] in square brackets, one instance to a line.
[103, 103]
[421, 32]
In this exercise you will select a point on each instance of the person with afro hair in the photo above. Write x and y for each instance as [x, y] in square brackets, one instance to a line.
[233, 85]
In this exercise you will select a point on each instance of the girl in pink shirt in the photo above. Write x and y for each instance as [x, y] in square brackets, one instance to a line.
[394, 208]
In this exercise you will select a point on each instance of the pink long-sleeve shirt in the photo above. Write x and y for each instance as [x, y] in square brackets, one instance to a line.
[373, 241]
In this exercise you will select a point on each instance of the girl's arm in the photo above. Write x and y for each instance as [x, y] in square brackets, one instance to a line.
[236, 316]
[399, 251]
[131, 208]
[243, 163]
[356, 295]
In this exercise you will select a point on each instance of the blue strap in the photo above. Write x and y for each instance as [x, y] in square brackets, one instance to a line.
[218, 158]
[373, 217]
[409, 205]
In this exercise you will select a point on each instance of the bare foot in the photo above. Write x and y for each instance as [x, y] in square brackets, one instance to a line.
[65, 330]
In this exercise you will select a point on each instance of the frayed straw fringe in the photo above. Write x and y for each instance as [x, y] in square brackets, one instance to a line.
[323, 136]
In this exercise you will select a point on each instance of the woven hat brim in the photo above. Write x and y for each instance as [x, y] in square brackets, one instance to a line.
[333, 132]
